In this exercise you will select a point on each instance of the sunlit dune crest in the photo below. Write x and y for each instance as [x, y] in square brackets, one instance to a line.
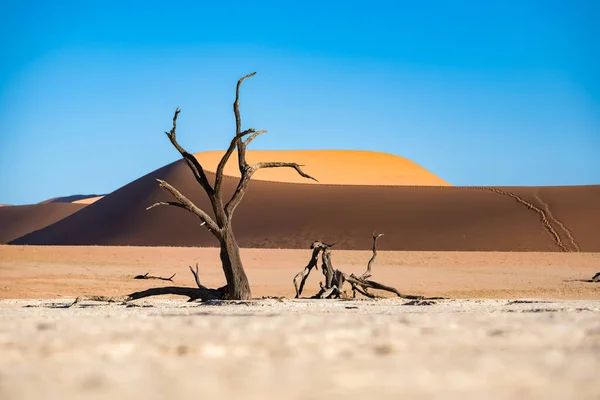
[331, 167]
[88, 200]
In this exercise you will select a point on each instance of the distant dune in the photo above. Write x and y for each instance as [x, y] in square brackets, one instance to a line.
[283, 215]
[88, 200]
[76, 198]
[331, 167]
[16, 221]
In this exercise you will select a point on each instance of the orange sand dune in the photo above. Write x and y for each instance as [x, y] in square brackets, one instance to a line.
[283, 215]
[332, 167]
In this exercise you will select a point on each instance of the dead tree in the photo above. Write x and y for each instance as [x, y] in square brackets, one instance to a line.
[335, 279]
[237, 287]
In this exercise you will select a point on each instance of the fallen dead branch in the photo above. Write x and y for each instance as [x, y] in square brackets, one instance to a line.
[595, 279]
[147, 276]
[335, 279]
[198, 293]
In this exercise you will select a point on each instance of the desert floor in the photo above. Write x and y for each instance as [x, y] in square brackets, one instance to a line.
[70, 271]
[301, 349]
[537, 335]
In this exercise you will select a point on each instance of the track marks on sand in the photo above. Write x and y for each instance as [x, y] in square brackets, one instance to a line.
[543, 215]
[566, 231]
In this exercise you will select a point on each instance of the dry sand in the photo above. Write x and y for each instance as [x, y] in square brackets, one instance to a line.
[331, 167]
[70, 271]
[303, 349]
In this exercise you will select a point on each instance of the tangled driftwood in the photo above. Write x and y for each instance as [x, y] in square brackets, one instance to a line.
[335, 279]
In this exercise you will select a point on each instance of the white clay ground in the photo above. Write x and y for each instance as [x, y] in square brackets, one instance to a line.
[307, 349]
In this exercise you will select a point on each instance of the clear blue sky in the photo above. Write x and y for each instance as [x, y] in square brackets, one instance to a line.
[478, 92]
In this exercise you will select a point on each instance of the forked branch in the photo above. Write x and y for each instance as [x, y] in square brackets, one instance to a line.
[234, 142]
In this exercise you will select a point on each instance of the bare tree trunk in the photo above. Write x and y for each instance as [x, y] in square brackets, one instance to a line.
[237, 281]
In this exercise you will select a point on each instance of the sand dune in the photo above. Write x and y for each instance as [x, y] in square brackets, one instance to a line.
[283, 215]
[16, 221]
[75, 198]
[332, 167]
[88, 200]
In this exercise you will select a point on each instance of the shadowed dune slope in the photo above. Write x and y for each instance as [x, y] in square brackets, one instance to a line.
[332, 167]
[16, 221]
[285, 215]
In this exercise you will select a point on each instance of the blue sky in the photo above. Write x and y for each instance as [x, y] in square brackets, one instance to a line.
[478, 92]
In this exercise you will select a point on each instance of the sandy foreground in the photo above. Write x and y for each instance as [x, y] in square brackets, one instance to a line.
[537, 335]
[301, 349]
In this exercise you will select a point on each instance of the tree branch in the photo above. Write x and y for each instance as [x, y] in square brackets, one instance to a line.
[238, 124]
[191, 207]
[253, 136]
[166, 203]
[191, 161]
[197, 277]
[160, 278]
[227, 155]
[367, 273]
[192, 293]
[282, 164]
[201, 292]
[240, 191]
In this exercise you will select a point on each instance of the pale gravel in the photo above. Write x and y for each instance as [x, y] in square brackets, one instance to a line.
[301, 349]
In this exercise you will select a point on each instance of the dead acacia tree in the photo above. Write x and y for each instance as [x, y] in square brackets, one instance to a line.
[220, 227]
[335, 279]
